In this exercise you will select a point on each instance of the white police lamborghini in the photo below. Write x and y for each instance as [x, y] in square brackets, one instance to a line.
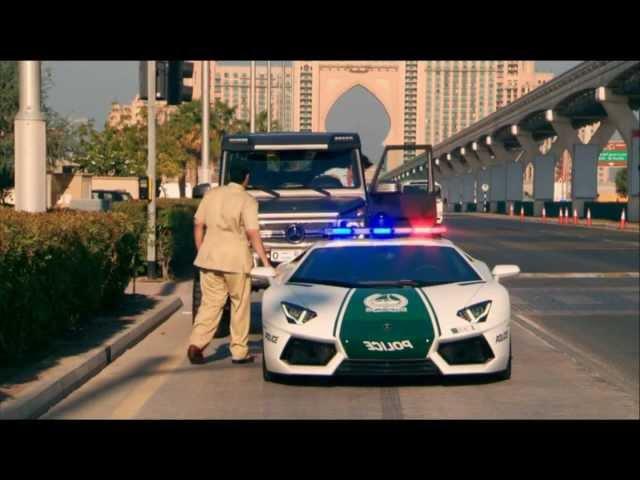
[386, 302]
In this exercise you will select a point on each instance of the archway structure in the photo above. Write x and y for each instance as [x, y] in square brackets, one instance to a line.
[395, 84]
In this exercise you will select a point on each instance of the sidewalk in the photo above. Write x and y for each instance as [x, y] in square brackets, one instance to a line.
[598, 224]
[29, 390]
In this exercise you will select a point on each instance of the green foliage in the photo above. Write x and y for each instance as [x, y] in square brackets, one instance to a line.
[9, 104]
[116, 151]
[621, 183]
[261, 123]
[175, 244]
[56, 269]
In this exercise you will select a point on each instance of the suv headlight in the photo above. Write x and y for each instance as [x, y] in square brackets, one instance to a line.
[297, 314]
[476, 313]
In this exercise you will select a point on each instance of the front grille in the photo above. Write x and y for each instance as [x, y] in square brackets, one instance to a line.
[382, 368]
[277, 230]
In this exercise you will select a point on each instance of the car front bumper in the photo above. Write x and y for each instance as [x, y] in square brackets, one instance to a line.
[496, 338]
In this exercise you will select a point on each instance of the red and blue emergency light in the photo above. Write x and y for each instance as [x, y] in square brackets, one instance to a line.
[384, 232]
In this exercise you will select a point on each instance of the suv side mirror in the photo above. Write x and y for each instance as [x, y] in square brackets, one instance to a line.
[505, 271]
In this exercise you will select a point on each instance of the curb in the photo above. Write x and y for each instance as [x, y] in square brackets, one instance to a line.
[550, 221]
[41, 398]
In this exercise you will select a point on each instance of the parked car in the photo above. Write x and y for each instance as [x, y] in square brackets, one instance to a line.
[112, 195]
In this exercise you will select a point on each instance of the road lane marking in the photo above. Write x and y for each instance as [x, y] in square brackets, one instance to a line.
[134, 402]
[603, 370]
[581, 275]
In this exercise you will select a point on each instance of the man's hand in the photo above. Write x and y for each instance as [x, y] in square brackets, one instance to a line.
[198, 234]
[256, 243]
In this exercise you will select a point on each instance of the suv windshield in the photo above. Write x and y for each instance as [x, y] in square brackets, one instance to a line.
[386, 265]
[295, 169]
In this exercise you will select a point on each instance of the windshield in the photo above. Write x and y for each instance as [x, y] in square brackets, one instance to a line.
[370, 266]
[295, 169]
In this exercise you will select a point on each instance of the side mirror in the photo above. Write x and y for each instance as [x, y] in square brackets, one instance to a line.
[505, 271]
[263, 273]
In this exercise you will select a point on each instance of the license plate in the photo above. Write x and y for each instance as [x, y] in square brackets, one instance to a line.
[284, 255]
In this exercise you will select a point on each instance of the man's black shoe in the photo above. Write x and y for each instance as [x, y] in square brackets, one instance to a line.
[195, 355]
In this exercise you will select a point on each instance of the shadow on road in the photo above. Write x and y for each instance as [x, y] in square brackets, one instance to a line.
[75, 341]
[459, 380]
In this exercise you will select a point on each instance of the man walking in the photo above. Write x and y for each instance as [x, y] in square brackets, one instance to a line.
[230, 216]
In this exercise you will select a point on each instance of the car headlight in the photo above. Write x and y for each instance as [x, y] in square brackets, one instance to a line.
[476, 313]
[297, 314]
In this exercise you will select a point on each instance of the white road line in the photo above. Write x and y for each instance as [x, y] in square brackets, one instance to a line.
[581, 275]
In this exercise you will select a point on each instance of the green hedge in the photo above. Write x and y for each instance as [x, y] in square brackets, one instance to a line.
[175, 245]
[56, 269]
[605, 210]
[552, 209]
[527, 206]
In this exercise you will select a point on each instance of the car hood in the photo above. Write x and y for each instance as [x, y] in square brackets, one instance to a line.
[304, 205]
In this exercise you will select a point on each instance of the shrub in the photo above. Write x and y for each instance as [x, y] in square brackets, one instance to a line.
[175, 245]
[56, 269]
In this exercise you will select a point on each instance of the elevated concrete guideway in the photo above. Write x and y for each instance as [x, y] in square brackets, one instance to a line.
[537, 128]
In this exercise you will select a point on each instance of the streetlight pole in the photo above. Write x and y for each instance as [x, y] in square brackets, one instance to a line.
[151, 169]
[206, 105]
[252, 96]
[30, 142]
[268, 95]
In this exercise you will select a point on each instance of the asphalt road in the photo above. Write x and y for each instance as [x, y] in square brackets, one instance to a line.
[575, 343]
[540, 247]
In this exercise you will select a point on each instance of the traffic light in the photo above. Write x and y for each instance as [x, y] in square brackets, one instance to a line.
[177, 91]
[170, 85]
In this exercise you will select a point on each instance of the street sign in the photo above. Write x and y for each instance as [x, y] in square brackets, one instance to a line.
[614, 152]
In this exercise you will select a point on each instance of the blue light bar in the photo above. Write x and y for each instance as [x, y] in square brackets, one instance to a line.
[382, 231]
[340, 231]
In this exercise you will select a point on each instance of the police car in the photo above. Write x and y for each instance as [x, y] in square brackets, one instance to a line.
[385, 301]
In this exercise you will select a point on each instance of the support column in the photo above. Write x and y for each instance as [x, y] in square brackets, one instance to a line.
[468, 191]
[30, 143]
[626, 122]
[584, 161]
[498, 186]
[513, 174]
[455, 192]
[584, 167]
[543, 181]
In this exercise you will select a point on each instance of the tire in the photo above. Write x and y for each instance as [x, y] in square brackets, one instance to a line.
[225, 321]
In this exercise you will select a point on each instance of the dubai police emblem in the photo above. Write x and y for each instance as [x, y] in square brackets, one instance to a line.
[386, 302]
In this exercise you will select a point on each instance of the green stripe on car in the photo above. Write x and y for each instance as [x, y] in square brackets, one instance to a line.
[386, 323]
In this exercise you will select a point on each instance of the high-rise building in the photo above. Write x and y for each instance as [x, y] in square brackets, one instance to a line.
[230, 84]
[459, 93]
